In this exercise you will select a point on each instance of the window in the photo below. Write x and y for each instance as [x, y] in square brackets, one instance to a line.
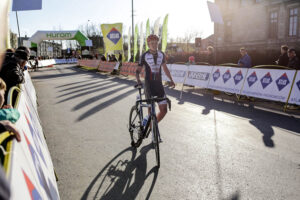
[293, 22]
[273, 24]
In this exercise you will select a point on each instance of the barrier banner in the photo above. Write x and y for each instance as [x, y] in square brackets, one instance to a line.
[30, 171]
[163, 74]
[269, 84]
[106, 66]
[66, 61]
[295, 95]
[89, 63]
[46, 63]
[129, 68]
[198, 75]
[178, 72]
[227, 79]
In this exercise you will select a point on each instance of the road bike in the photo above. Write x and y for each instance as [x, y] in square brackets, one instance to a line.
[139, 130]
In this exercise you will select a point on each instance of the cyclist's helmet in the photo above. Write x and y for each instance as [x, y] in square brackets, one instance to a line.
[152, 37]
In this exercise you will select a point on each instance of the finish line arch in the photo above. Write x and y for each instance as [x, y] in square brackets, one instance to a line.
[39, 36]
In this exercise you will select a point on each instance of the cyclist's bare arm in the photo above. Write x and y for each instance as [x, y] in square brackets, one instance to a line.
[168, 74]
[137, 74]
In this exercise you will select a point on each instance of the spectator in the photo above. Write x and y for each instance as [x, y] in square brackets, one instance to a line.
[191, 60]
[245, 60]
[113, 58]
[293, 60]
[8, 54]
[36, 64]
[211, 55]
[12, 70]
[283, 59]
[103, 58]
[7, 112]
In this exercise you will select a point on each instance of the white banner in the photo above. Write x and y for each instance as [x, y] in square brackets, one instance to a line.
[295, 95]
[227, 79]
[31, 169]
[178, 72]
[198, 75]
[163, 75]
[269, 84]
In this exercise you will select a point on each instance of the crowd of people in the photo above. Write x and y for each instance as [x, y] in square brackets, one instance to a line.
[12, 67]
[11, 75]
[288, 58]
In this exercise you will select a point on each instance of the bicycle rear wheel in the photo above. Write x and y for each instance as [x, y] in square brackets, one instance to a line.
[156, 141]
[135, 127]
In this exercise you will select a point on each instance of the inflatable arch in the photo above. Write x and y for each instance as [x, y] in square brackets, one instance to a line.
[39, 36]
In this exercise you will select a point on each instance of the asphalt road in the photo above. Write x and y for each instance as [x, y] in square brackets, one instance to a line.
[212, 149]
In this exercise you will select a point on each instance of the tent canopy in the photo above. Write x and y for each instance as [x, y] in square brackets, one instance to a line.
[39, 36]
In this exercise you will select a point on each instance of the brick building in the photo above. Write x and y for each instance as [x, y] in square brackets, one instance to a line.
[261, 26]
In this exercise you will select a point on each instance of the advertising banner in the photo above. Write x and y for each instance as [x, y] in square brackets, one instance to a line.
[178, 72]
[227, 79]
[106, 66]
[89, 63]
[31, 172]
[295, 95]
[198, 75]
[268, 84]
[113, 39]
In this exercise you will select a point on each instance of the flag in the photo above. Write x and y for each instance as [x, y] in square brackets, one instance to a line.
[164, 34]
[147, 33]
[129, 48]
[141, 39]
[113, 39]
[20, 5]
[156, 27]
[135, 47]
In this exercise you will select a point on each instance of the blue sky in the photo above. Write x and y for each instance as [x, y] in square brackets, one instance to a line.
[184, 16]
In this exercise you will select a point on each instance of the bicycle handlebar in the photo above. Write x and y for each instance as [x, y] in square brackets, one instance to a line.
[155, 100]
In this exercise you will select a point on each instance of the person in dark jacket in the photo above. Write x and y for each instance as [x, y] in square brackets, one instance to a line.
[283, 59]
[293, 60]
[12, 69]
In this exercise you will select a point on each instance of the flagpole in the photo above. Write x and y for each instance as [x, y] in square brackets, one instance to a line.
[18, 29]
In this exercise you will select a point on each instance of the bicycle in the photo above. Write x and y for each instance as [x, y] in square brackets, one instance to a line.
[137, 131]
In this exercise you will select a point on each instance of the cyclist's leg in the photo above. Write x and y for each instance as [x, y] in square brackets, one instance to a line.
[162, 110]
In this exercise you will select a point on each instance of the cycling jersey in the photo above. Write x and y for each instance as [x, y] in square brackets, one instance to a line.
[152, 67]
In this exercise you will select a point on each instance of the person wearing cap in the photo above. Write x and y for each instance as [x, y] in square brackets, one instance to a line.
[293, 59]
[12, 70]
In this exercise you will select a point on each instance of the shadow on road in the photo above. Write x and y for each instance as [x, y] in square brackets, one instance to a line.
[122, 178]
[263, 120]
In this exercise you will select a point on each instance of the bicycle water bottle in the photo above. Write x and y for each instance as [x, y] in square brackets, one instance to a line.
[145, 120]
[137, 97]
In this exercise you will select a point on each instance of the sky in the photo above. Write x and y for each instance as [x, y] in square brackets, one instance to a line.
[185, 16]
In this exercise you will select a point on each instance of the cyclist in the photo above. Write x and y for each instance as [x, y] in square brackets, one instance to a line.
[152, 61]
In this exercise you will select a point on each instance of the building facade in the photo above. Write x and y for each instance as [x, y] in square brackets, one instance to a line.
[261, 26]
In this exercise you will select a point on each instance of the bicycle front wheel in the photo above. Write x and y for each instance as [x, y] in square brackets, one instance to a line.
[135, 128]
[156, 141]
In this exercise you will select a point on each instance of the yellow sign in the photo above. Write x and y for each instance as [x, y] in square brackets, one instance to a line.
[113, 40]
